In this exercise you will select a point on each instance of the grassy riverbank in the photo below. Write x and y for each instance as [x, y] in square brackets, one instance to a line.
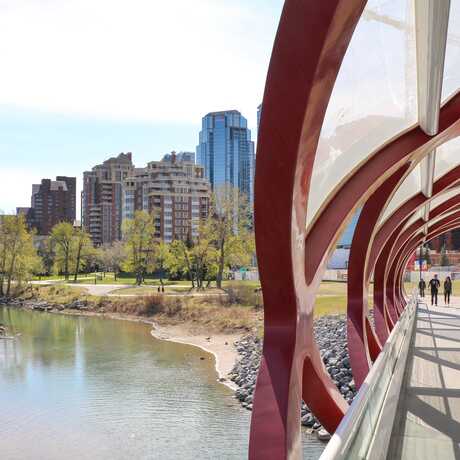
[202, 314]
[237, 309]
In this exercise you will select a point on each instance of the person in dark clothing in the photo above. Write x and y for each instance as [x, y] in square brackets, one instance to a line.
[447, 290]
[434, 286]
[421, 287]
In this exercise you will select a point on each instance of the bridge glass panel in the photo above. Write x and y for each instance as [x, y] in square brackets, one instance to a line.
[447, 157]
[409, 187]
[373, 100]
[451, 80]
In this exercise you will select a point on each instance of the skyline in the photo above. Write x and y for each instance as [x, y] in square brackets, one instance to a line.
[71, 100]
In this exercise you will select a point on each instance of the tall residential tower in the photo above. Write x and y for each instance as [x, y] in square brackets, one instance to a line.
[101, 209]
[174, 190]
[52, 202]
[226, 151]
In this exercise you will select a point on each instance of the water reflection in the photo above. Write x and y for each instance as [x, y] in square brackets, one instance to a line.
[90, 388]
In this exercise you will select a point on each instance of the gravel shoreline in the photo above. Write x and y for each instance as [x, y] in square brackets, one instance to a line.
[330, 335]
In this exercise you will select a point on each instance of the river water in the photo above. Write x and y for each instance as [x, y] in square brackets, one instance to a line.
[93, 388]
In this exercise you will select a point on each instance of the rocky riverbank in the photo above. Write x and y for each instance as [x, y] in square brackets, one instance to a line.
[42, 305]
[330, 334]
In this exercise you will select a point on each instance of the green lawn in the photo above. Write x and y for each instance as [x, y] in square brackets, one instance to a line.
[331, 298]
[108, 278]
[330, 305]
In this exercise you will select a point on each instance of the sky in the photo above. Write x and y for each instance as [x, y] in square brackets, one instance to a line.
[83, 80]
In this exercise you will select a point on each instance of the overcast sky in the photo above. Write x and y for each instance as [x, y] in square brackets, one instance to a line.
[83, 80]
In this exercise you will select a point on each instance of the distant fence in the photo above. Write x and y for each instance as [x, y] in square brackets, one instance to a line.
[250, 275]
[414, 277]
[336, 275]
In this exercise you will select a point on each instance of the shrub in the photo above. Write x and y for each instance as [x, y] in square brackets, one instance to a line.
[240, 294]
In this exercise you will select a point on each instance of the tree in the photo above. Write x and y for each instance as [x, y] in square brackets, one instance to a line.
[181, 260]
[444, 258]
[112, 256]
[162, 256]
[198, 259]
[230, 223]
[46, 252]
[62, 237]
[427, 256]
[82, 246]
[18, 256]
[139, 237]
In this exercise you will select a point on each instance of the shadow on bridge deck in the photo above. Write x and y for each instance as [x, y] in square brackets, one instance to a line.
[427, 422]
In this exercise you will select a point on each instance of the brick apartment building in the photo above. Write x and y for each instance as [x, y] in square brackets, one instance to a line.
[175, 190]
[101, 201]
[52, 202]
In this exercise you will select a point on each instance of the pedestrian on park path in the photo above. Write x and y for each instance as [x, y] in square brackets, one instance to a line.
[421, 287]
[434, 286]
[447, 290]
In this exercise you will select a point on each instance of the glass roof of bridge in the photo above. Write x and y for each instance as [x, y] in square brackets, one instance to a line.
[386, 84]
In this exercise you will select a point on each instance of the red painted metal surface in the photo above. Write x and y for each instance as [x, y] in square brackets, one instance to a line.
[311, 41]
[310, 44]
[363, 345]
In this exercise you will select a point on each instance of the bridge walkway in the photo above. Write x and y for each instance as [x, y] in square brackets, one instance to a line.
[427, 422]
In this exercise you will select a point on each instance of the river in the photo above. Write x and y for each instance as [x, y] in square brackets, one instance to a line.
[93, 388]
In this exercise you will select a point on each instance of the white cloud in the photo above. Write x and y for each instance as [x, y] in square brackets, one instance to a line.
[151, 60]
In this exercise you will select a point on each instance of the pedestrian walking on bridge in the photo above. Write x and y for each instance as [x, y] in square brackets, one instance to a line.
[447, 290]
[434, 287]
[421, 287]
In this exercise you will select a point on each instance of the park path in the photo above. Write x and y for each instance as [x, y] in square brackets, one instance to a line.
[107, 289]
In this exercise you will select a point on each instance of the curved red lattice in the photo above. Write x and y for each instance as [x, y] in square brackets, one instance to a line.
[310, 44]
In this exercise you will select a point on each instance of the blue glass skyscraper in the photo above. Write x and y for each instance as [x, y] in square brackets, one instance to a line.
[226, 151]
[347, 235]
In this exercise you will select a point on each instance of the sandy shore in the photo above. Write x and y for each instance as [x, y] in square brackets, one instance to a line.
[219, 345]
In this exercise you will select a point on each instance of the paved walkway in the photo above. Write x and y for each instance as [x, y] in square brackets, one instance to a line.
[428, 419]
[93, 289]
[107, 289]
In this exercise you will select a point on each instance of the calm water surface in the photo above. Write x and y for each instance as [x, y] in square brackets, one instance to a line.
[91, 388]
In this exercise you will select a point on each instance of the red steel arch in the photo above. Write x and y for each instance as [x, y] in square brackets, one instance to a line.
[311, 42]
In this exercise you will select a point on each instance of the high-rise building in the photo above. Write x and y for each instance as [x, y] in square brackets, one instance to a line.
[226, 151]
[347, 235]
[101, 210]
[181, 156]
[259, 114]
[52, 202]
[174, 190]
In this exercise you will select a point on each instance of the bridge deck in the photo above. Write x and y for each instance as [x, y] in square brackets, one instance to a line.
[428, 416]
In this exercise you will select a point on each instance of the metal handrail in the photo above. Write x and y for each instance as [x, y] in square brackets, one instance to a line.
[352, 434]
